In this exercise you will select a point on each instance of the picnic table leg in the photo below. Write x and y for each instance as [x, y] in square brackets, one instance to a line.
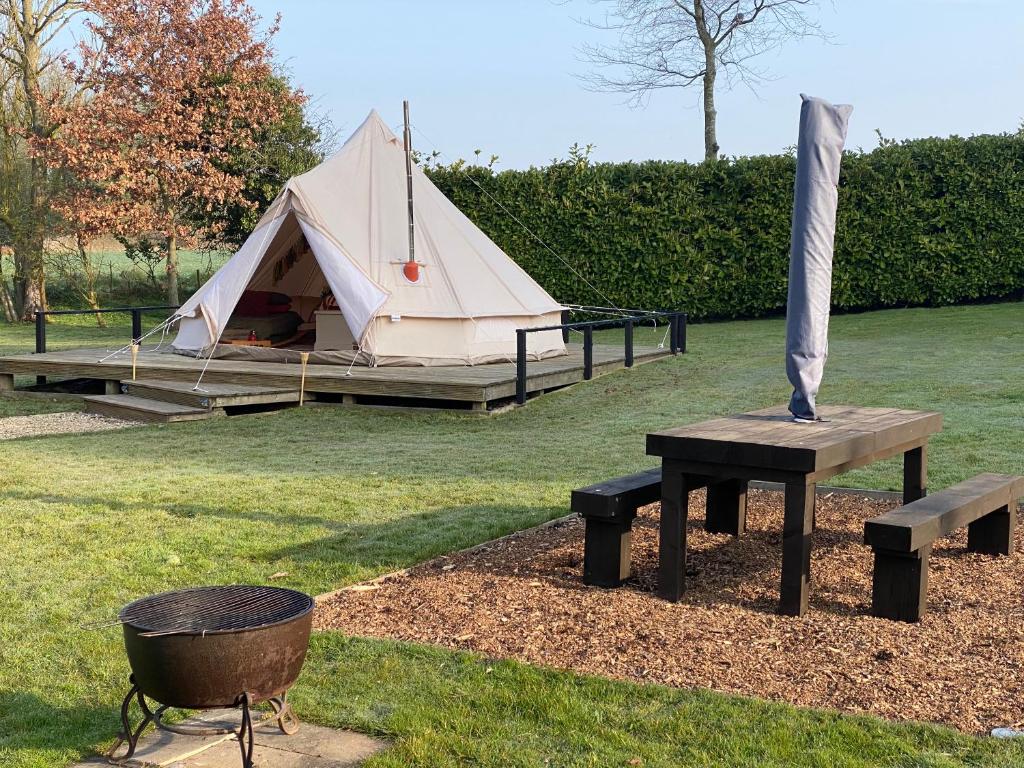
[727, 507]
[796, 547]
[675, 498]
[915, 474]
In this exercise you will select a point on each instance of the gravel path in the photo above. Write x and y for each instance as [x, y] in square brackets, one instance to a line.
[70, 422]
[523, 597]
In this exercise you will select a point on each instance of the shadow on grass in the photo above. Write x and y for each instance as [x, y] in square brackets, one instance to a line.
[366, 545]
[28, 722]
[416, 538]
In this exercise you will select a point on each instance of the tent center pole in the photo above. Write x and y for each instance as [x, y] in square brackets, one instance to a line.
[411, 269]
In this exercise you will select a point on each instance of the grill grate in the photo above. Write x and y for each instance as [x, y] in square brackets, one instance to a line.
[215, 609]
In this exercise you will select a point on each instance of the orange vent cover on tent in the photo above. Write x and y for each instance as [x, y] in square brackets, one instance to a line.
[411, 270]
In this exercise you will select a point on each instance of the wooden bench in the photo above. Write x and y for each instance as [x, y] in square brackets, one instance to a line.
[902, 539]
[609, 509]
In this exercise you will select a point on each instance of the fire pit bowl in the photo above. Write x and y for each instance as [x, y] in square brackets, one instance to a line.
[212, 648]
[202, 648]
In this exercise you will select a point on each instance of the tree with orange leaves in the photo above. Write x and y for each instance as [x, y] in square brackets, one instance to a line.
[171, 89]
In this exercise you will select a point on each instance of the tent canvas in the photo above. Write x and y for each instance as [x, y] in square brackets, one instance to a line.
[342, 229]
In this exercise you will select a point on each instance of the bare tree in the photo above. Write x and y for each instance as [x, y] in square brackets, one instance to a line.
[29, 28]
[679, 43]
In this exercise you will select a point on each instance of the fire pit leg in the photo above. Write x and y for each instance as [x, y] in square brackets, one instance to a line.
[286, 719]
[246, 740]
[127, 733]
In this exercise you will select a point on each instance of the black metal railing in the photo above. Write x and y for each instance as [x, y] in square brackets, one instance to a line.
[677, 340]
[136, 313]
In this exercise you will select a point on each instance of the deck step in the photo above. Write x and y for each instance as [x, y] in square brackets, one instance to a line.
[135, 408]
[209, 395]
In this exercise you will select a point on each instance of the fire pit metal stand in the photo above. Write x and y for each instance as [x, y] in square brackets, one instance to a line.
[281, 713]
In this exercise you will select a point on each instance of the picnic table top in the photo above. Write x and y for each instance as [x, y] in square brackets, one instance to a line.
[770, 439]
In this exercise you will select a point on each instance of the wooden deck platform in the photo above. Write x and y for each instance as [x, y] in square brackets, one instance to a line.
[478, 387]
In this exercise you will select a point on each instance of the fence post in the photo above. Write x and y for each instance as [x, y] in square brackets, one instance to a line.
[628, 327]
[673, 333]
[521, 366]
[136, 325]
[681, 331]
[565, 321]
[588, 352]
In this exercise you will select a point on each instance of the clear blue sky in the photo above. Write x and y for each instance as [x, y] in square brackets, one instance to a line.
[499, 75]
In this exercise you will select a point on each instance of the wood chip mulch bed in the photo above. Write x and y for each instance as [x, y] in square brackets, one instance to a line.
[523, 597]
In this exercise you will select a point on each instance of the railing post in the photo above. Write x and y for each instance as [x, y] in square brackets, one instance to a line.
[565, 321]
[136, 325]
[40, 332]
[588, 352]
[628, 327]
[40, 340]
[521, 366]
[681, 331]
[673, 333]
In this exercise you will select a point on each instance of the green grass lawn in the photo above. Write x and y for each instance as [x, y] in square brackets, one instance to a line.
[333, 495]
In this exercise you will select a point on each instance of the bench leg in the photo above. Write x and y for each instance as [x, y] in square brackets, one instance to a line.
[606, 550]
[727, 507]
[993, 533]
[899, 589]
[915, 474]
[796, 548]
[675, 499]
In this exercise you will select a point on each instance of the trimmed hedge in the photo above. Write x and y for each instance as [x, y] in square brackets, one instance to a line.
[922, 222]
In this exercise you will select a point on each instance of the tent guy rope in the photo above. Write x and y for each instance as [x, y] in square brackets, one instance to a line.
[122, 350]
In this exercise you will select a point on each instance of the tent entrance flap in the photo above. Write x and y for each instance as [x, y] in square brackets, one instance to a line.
[205, 314]
[357, 296]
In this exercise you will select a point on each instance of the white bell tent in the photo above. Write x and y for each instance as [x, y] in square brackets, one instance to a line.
[340, 233]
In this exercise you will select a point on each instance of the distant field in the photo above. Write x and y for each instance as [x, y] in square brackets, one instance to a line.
[119, 280]
[188, 261]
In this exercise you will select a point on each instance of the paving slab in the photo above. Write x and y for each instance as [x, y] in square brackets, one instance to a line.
[313, 746]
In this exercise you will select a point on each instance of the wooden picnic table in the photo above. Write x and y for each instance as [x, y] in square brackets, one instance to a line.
[725, 454]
